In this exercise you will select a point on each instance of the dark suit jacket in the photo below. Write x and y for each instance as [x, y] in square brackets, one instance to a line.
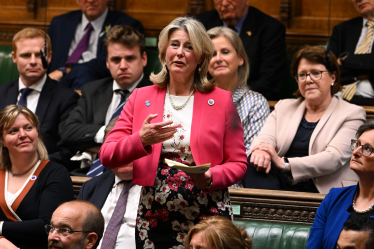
[344, 38]
[97, 189]
[52, 187]
[265, 47]
[88, 116]
[62, 31]
[55, 103]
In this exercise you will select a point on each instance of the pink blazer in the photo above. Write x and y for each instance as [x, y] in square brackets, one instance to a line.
[329, 146]
[216, 137]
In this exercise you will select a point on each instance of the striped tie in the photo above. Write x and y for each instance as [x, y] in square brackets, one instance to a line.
[364, 48]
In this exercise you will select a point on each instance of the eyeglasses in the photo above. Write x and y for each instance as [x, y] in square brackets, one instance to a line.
[365, 149]
[301, 78]
[61, 231]
[218, 1]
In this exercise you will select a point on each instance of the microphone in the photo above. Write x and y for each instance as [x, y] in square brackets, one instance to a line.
[43, 55]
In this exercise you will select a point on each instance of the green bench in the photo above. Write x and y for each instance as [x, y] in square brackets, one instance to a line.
[8, 70]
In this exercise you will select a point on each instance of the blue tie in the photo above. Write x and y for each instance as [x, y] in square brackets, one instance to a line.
[23, 99]
[97, 168]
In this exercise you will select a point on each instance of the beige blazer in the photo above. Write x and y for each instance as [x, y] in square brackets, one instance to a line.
[329, 146]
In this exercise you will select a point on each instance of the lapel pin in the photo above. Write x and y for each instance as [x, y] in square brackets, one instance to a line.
[147, 103]
[249, 33]
[211, 102]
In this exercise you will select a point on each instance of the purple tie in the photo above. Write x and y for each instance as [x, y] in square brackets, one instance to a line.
[82, 46]
[111, 231]
[23, 99]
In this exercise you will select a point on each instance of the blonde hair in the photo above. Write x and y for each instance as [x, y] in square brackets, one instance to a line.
[220, 233]
[7, 117]
[203, 48]
[29, 33]
[236, 42]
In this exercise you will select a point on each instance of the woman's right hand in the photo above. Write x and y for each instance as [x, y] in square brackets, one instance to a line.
[261, 160]
[6, 244]
[157, 132]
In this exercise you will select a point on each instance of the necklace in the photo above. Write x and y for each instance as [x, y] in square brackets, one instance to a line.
[19, 174]
[179, 107]
[360, 211]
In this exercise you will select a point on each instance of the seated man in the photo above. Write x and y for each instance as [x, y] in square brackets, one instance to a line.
[77, 38]
[106, 191]
[357, 233]
[103, 99]
[75, 224]
[50, 101]
[263, 38]
[352, 42]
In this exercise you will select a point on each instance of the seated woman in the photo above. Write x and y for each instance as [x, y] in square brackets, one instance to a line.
[230, 69]
[304, 144]
[349, 202]
[31, 187]
[217, 232]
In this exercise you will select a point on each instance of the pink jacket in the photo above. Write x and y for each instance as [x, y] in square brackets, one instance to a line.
[216, 137]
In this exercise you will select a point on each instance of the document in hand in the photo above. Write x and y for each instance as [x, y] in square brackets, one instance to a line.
[199, 169]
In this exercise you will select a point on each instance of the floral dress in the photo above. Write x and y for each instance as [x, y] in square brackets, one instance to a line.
[173, 205]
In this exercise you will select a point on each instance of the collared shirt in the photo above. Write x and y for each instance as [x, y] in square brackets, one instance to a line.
[33, 97]
[91, 51]
[238, 26]
[99, 137]
[364, 88]
[253, 110]
[126, 234]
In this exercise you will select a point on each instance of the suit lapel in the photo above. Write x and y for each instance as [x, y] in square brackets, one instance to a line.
[12, 94]
[69, 34]
[104, 187]
[322, 121]
[196, 123]
[101, 101]
[249, 25]
[293, 125]
[354, 29]
[102, 35]
[158, 108]
[45, 98]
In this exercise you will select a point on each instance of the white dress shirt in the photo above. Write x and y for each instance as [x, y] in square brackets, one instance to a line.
[126, 234]
[33, 97]
[91, 51]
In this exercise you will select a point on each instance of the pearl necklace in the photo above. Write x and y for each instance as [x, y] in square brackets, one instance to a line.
[360, 211]
[179, 107]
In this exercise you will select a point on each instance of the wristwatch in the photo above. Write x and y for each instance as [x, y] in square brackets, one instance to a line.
[286, 164]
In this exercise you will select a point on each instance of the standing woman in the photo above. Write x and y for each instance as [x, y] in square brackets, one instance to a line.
[183, 117]
[230, 69]
[31, 187]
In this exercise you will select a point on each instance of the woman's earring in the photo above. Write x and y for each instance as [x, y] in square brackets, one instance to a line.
[332, 83]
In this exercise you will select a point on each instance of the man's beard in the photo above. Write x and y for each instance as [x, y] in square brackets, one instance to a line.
[58, 244]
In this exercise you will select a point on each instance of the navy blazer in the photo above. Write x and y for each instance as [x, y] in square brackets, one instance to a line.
[88, 116]
[97, 189]
[330, 217]
[52, 188]
[62, 32]
[263, 38]
[54, 105]
[344, 38]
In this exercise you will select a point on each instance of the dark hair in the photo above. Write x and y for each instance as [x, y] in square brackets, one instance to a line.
[94, 221]
[316, 54]
[361, 224]
[220, 233]
[125, 35]
[367, 126]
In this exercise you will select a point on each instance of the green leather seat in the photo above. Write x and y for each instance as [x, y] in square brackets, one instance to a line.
[8, 70]
[276, 236]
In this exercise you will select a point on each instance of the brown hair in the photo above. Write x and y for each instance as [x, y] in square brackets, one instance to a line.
[202, 46]
[29, 33]
[125, 35]
[7, 117]
[220, 233]
[236, 42]
[316, 54]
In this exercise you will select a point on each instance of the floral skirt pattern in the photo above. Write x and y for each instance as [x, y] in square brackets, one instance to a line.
[169, 209]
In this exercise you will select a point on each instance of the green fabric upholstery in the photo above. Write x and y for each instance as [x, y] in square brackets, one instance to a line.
[8, 70]
[276, 236]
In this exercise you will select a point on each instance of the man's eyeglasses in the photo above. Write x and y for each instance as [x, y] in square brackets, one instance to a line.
[365, 149]
[317, 75]
[61, 231]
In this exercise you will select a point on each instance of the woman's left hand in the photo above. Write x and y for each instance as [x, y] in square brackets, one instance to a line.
[277, 161]
[202, 181]
[6, 244]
